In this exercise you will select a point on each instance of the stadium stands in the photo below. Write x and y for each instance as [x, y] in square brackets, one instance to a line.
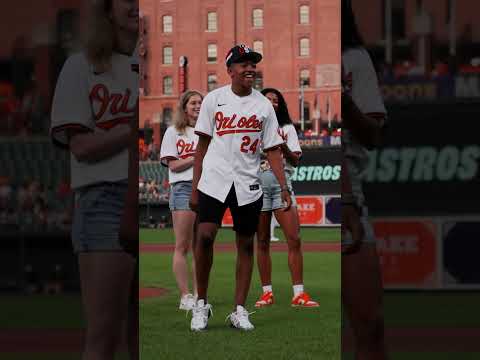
[153, 184]
[34, 183]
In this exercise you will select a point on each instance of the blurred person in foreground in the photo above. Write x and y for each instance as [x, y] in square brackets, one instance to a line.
[364, 116]
[95, 115]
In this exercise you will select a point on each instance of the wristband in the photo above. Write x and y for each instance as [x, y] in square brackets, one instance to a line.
[285, 188]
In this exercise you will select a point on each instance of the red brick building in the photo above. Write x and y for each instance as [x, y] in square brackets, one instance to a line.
[448, 28]
[298, 38]
[41, 31]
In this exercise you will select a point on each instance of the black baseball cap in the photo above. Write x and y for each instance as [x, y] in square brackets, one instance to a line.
[241, 53]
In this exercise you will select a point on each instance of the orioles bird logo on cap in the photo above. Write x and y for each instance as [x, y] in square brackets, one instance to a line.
[243, 49]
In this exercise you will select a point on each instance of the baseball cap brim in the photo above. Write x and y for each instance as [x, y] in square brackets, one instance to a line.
[252, 55]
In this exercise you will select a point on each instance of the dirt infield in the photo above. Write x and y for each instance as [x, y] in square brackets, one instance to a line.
[151, 292]
[220, 247]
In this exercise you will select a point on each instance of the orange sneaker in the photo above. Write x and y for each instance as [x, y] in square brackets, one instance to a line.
[265, 300]
[303, 300]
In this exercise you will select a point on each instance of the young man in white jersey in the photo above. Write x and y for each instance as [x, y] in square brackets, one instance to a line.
[233, 120]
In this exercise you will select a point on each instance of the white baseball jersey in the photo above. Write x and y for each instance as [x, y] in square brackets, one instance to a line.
[175, 146]
[237, 126]
[362, 85]
[98, 103]
[290, 137]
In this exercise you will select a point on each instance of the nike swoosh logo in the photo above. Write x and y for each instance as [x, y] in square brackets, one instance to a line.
[221, 104]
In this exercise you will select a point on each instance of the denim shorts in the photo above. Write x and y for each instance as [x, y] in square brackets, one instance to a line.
[97, 215]
[180, 195]
[272, 194]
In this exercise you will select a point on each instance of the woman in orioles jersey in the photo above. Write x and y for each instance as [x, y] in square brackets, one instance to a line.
[272, 204]
[95, 116]
[177, 152]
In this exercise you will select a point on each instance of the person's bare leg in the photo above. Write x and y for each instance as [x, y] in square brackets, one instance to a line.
[289, 223]
[204, 256]
[264, 260]
[183, 228]
[105, 295]
[133, 316]
[362, 297]
[244, 267]
[194, 272]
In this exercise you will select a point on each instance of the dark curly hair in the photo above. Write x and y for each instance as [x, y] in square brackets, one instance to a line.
[283, 116]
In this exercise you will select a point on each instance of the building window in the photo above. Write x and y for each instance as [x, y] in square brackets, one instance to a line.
[212, 21]
[212, 53]
[258, 83]
[211, 82]
[257, 18]
[305, 77]
[304, 14]
[305, 47]
[167, 55]
[167, 116]
[167, 85]
[168, 24]
[258, 46]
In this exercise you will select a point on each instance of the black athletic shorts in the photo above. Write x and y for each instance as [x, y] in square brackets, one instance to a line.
[245, 218]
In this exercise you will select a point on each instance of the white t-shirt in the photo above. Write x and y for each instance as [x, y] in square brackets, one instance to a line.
[97, 103]
[362, 85]
[290, 137]
[177, 146]
[237, 126]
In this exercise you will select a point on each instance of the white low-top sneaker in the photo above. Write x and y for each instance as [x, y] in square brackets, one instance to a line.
[239, 319]
[200, 314]
[187, 302]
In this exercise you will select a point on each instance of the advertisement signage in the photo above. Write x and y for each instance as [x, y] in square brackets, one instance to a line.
[429, 164]
[313, 210]
[318, 172]
[422, 89]
[408, 253]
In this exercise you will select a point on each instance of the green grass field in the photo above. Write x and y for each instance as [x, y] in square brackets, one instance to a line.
[148, 236]
[281, 331]
[427, 356]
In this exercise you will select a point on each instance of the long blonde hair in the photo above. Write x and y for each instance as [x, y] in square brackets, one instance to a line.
[100, 41]
[181, 121]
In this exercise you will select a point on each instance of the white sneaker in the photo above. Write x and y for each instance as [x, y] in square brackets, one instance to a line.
[274, 239]
[187, 302]
[239, 319]
[200, 314]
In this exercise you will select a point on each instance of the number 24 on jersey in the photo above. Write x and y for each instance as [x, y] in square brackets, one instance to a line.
[246, 147]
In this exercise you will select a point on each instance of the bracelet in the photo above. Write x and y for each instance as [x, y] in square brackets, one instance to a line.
[285, 188]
